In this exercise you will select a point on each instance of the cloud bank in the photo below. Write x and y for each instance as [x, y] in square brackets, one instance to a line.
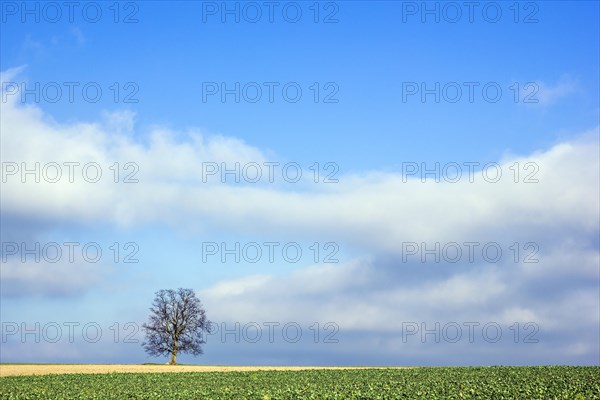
[545, 202]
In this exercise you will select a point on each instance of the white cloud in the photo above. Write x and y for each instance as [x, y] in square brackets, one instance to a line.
[78, 35]
[27, 279]
[379, 210]
[371, 312]
[119, 122]
[549, 94]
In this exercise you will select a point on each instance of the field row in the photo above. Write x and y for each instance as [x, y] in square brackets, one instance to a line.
[389, 383]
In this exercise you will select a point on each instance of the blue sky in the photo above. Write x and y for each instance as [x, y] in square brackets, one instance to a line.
[388, 90]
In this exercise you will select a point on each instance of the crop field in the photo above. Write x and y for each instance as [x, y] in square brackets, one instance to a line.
[369, 383]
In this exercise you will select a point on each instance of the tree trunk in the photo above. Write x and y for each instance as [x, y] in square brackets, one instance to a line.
[174, 353]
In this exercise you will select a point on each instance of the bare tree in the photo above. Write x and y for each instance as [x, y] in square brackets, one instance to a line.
[176, 323]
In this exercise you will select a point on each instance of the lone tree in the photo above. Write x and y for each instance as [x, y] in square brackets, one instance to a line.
[176, 323]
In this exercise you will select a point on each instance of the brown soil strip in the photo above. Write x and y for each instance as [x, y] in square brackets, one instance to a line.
[44, 369]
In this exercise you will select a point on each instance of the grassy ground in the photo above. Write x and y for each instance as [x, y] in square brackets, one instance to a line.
[366, 383]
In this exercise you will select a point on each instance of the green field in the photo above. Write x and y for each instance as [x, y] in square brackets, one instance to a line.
[414, 383]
